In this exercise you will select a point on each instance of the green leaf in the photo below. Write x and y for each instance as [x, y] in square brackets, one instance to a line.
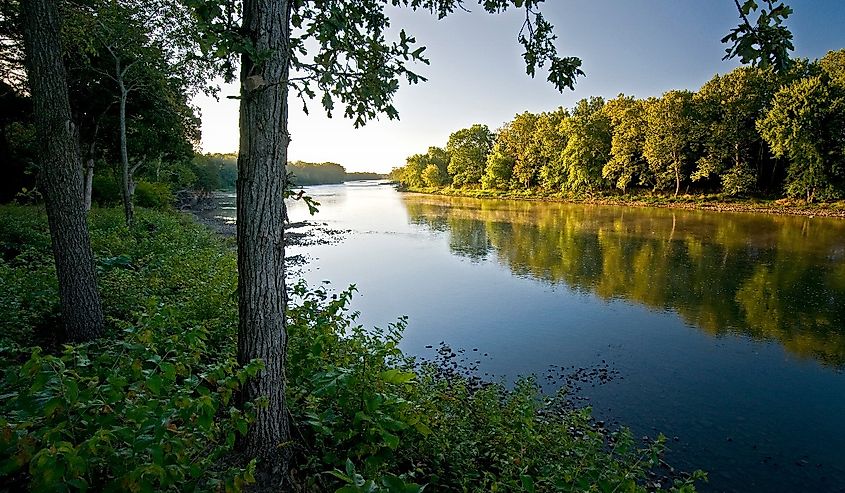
[52, 406]
[154, 383]
[71, 391]
[394, 484]
[390, 439]
[527, 483]
[372, 402]
[168, 370]
[422, 428]
[397, 376]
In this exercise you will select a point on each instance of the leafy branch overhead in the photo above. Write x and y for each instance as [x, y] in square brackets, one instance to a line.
[340, 49]
[767, 42]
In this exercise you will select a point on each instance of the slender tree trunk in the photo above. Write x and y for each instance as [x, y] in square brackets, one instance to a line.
[127, 186]
[261, 178]
[677, 178]
[88, 177]
[737, 156]
[82, 314]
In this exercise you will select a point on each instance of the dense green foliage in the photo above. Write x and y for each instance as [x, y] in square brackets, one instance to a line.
[130, 61]
[151, 407]
[749, 132]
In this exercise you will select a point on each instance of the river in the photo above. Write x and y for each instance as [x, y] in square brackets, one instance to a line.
[727, 330]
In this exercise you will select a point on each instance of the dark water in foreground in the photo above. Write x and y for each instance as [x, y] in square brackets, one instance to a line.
[728, 330]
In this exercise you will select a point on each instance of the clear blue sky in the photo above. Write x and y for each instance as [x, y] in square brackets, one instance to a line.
[639, 47]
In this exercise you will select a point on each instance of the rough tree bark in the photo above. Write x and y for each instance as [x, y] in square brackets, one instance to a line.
[261, 178]
[88, 183]
[82, 313]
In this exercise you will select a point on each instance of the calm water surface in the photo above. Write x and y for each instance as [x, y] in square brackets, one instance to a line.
[728, 330]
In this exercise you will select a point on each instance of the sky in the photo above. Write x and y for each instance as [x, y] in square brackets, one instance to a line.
[477, 75]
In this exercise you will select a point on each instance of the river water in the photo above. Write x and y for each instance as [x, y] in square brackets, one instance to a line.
[727, 330]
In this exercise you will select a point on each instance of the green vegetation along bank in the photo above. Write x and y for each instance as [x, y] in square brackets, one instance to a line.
[152, 405]
[749, 133]
[711, 202]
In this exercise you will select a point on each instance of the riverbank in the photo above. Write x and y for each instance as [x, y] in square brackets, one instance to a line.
[157, 391]
[717, 203]
[298, 233]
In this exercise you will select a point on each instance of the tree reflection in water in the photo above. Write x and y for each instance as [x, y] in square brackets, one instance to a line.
[779, 278]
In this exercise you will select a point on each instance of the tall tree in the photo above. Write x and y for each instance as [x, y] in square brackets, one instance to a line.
[669, 138]
[550, 141]
[82, 313]
[426, 170]
[627, 165]
[140, 47]
[264, 140]
[440, 158]
[411, 174]
[468, 149]
[433, 176]
[727, 108]
[499, 169]
[805, 125]
[516, 138]
[588, 145]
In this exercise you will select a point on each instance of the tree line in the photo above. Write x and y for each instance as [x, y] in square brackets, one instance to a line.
[220, 172]
[750, 132]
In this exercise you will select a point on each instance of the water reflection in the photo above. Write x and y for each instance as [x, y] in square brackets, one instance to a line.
[776, 278]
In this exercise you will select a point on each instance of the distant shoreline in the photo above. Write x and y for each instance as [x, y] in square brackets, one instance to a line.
[686, 202]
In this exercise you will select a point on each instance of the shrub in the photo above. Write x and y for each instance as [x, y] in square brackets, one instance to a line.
[105, 189]
[153, 195]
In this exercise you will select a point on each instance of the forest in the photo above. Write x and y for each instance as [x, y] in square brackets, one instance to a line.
[748, 133]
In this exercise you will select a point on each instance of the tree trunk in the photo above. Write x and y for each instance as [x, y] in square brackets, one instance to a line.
[88, 175]
[82, 314]
[677, 179]
[261, 178]
[737, 156]
[127, 186]
[88, 183]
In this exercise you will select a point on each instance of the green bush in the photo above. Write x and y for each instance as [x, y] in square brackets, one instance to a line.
[105, 189]
[153, 195]
[150, 406]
